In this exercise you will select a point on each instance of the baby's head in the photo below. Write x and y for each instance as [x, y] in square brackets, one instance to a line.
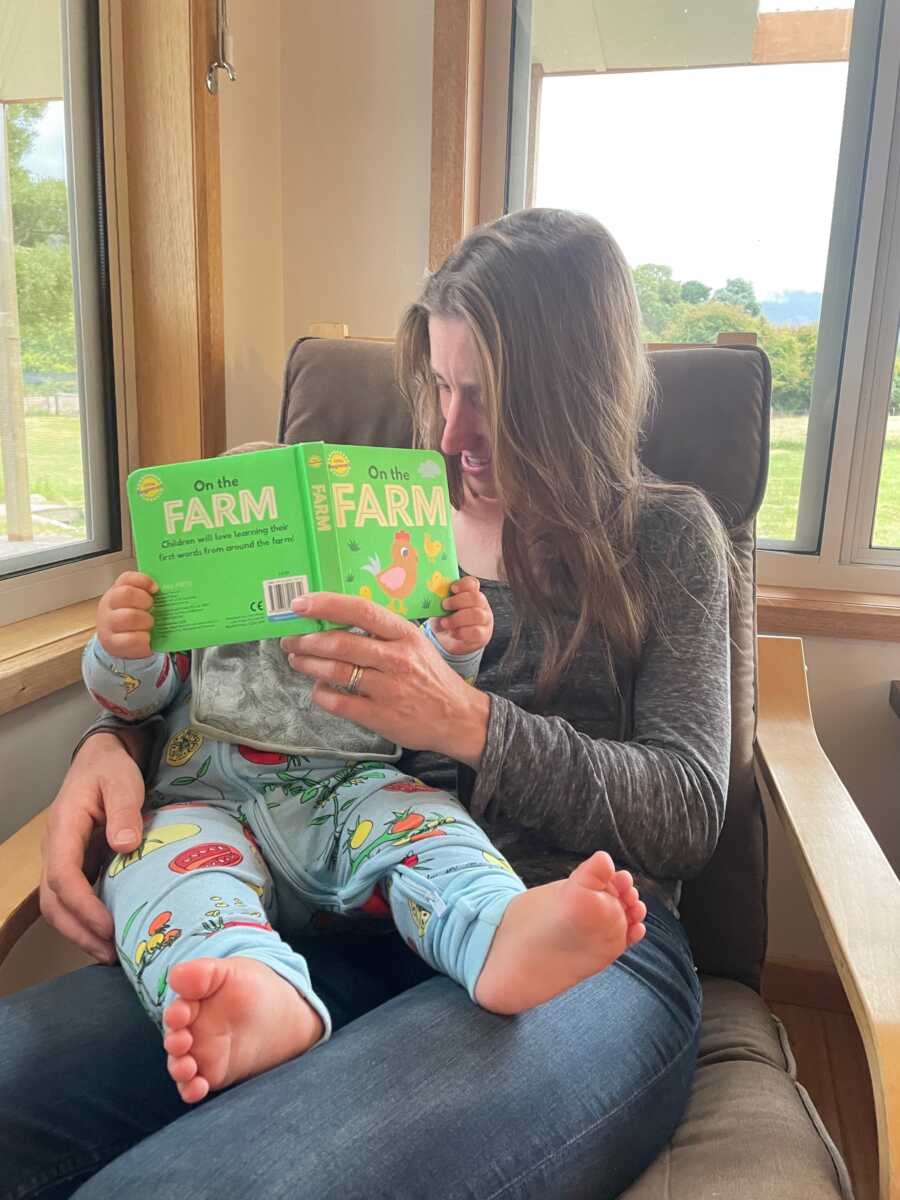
[246, 447]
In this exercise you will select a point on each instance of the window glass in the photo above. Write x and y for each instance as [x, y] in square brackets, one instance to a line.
[886, 530]
[57, 465]
[713, 159]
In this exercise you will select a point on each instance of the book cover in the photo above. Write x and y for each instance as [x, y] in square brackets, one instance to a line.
[232, 541]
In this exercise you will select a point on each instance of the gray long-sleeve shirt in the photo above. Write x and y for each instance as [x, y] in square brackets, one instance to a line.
[641, 773]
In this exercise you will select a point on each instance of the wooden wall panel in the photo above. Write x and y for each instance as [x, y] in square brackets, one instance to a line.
[173, 194]
[457, 92]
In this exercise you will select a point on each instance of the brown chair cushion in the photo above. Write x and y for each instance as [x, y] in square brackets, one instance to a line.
[750, 1129]
[709, 428]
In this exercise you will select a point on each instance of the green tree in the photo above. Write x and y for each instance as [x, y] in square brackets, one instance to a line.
[702, 322]
[739, 292]
[791, 352]
[658, 295]
[695, 292]
[43, 257]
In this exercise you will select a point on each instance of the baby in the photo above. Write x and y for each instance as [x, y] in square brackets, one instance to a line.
[242, 839]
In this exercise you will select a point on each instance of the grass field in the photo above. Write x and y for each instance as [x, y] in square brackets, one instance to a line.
[54, 465]
[779, 511]
[54, 461]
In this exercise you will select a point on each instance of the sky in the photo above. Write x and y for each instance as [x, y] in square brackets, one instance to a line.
[48, 154]
[716, 173]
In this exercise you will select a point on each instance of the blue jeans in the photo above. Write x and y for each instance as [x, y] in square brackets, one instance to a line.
[419, 1094]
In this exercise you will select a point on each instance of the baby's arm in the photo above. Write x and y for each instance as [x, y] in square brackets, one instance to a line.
[119, 669]
[462, 635]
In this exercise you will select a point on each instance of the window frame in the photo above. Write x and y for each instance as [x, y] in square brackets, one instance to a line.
[90, 295]
[41, 589]
[160, 137]
[832, 566]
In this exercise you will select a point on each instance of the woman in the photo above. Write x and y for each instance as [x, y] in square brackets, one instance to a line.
[601, 721]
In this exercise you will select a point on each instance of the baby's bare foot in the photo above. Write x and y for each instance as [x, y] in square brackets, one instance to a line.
[234, 1017]
[552, 937]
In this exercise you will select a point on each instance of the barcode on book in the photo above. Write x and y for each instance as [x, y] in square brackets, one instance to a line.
[280, 592]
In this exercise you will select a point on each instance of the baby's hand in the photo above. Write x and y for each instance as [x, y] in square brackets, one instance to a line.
[123, 616]
[471, 624]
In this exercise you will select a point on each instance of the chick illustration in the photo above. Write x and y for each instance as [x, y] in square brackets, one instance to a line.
[439, 584]
[432, 548]
[398, 580]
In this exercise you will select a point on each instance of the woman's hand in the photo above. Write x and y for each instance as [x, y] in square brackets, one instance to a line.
[103, 787]
[405, 691]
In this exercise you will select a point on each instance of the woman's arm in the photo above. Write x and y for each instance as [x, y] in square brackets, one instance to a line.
[657, 801]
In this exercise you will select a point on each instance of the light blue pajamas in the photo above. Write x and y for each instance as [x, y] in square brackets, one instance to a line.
[239, 840]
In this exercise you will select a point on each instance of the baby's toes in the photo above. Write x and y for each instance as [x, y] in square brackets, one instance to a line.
[623, 882]
[635, 934]
[197, 1089]
[635, 912]
[178, 1042]
[181, 1013]
[182, 1067]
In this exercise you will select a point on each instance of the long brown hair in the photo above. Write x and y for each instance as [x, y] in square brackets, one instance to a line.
[565, 384]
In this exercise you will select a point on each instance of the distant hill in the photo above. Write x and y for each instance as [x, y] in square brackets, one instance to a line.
[793, 308]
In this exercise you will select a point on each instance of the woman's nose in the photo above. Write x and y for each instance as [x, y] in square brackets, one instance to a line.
[455, 427]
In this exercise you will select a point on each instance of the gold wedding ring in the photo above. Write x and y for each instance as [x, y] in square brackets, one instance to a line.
[355, 676]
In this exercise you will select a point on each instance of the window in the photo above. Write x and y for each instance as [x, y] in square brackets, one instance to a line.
[886, 534]
[739, 154]
[58, 472]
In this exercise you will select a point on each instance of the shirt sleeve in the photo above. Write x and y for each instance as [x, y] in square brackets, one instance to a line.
[465, 665]
[136, 688]
[655, 802]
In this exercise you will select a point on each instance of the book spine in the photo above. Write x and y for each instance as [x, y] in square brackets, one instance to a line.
[323, 535]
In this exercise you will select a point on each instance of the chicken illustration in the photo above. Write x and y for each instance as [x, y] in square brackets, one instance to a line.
[398, 580]
[439, 584]
[432, 548]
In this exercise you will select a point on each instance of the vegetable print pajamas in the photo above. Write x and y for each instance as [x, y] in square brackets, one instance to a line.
[237, 839]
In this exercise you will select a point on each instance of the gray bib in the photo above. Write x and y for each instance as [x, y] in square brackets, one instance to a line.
[248, 693]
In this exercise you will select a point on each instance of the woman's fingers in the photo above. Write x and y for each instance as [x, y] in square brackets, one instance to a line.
[67, 900]
[352, 610]
[74, 930]
[338, 645]
[335, 673]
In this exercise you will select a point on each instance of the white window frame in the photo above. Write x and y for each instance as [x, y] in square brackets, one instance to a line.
[46, 589]
[865, 241]
[878, 366]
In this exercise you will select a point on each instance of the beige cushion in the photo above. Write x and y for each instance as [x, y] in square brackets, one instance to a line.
[750, 1131]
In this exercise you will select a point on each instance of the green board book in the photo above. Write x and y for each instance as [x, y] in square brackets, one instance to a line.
[232, 541]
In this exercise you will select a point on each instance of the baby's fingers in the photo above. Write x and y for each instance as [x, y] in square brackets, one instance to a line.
[137, 579]
[466, 600]
[467, 618]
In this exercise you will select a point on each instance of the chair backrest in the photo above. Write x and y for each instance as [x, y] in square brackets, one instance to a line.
[708, 428]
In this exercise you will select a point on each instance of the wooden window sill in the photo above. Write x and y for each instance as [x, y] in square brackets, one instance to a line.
[43, 654]
[816, 612]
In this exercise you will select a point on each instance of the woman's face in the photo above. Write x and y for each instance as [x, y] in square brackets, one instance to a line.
[454, 361]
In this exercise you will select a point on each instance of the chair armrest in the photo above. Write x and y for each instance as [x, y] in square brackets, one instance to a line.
[20, 871]
[854, 891]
